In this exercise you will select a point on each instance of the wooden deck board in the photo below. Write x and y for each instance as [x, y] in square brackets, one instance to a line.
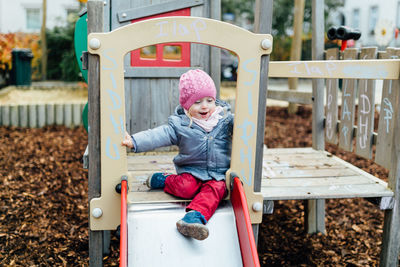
[316, 181]
[288, 173]
[324, 192]
[306, 173]
[302, 163]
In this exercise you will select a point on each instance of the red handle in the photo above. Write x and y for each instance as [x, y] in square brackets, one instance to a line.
[243, 224]
[344, 45]
[123, 241]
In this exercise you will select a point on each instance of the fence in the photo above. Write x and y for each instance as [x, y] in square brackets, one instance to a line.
[40, 115]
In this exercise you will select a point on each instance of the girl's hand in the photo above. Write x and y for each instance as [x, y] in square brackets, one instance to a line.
[127, 141]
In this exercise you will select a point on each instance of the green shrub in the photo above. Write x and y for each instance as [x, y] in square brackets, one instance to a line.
[61, 61]
[282, 48]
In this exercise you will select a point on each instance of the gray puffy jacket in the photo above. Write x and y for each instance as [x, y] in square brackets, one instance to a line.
[204, 155]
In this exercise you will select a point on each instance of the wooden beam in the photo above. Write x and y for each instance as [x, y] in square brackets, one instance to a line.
[298, 97]
[263, 13]
[331, 108]
[366, 109]
[391, 234]
[346, 69]
[153, 9]
[384, 203]
[268, 207]
[43, 40]
[295, 52]
[95, 24]
[386, 124]
[315, 209]
[265, 26]
[215, 52]
[348, 106]
[156, 72]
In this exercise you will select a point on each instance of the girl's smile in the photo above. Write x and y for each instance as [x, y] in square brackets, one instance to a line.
[202, 108]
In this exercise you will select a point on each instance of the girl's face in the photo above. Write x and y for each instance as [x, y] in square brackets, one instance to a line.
[203, 108]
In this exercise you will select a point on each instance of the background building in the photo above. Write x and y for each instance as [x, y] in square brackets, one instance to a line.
[26, 15]
[367, 15]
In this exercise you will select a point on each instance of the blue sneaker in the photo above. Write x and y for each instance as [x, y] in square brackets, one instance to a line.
[157, 180]
[193, 225]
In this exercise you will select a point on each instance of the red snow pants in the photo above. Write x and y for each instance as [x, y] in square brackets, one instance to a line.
[206, 195]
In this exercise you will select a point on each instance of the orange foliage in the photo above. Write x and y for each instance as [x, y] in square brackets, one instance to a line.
[9, 41]
[82, 85]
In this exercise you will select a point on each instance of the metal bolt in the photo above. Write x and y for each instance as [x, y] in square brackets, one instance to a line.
[257, 206]
[266, 44]
[123, 15]
[94, 43]
[97, 212]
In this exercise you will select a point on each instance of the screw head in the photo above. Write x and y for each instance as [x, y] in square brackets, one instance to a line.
[97, 212]
[257, 206]
[266, 44]
[94, 43]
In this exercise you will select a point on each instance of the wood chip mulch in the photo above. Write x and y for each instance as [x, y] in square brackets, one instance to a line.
[44, 210]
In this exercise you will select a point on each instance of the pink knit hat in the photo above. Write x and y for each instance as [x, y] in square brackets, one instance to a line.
[194, 85]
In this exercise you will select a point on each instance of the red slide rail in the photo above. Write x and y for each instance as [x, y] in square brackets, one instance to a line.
[247, 243]
[123, 240]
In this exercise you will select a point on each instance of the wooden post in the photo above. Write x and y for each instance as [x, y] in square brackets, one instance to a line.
[14, 116]
[95, 24]
[50, 114]
[295, 52]
[43, 40]
[41, 115]
[215, 52]
[315, 209]
[32, 112]
[23, 116]
[5, 115]
[331, 108]
[391, 228]
[263, 13]
[346, 130]
[59, 109]
[365, 114]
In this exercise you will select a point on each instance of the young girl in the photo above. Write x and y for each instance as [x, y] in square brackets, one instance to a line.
[202, 129]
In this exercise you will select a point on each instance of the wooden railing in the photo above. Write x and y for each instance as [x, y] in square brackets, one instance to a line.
[357, 90]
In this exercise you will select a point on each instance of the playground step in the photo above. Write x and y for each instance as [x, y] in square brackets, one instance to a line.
[153, 239]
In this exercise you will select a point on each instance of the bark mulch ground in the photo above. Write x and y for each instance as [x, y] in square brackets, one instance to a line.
[44, 210]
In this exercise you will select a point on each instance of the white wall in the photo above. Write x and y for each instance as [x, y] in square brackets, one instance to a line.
[13, 13]
[387, 9]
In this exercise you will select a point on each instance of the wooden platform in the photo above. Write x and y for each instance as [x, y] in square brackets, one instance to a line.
[288, 173]
[304, 173]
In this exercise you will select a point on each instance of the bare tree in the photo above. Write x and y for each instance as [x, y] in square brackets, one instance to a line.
[43, 41]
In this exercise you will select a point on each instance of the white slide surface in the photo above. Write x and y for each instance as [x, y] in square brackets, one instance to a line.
[153, 239]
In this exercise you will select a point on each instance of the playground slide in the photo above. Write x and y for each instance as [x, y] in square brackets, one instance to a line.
[153, 239]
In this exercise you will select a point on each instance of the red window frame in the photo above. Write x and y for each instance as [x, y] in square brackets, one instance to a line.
[159, 61]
